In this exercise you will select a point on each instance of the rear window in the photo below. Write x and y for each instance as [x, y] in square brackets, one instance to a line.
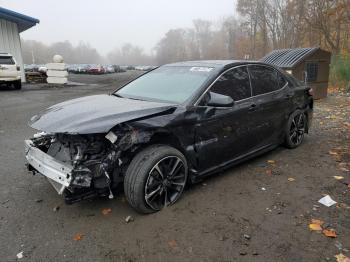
[6, 60]
[294, 81]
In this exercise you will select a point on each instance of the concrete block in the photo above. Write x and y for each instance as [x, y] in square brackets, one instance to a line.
[55, 66]
[56, 73]
[57, 80]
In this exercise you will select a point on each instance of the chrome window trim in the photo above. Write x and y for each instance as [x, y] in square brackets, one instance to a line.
[251, 87]
[272, 92]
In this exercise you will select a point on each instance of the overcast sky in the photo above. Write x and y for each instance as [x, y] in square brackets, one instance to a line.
[106, 24]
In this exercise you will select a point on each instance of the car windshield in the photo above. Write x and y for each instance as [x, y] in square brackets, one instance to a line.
[174, 84]
[6, 60]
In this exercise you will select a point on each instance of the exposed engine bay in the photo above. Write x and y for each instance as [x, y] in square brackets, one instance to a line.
[96, 162]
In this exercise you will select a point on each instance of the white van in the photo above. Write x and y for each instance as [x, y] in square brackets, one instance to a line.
[10, 71]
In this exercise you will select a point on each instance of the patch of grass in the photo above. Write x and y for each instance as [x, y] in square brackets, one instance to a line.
[340, 71]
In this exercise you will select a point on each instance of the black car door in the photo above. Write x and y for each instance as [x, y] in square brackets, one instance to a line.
[222, 134]
[272, 100]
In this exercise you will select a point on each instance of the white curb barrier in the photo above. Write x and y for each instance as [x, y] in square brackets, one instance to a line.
[56, 71]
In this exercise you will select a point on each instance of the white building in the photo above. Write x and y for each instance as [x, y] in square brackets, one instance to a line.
[11, 25]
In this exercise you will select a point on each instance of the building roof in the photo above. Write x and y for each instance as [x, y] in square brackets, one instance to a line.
[288, 58]
[23, 22]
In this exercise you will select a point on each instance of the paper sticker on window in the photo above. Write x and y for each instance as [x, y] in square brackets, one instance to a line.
[201, 69]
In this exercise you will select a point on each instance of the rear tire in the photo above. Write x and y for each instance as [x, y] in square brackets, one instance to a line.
[295, 129]
[17, 84]
[155, 178]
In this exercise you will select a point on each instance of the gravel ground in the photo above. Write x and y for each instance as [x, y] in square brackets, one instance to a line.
[257, 211]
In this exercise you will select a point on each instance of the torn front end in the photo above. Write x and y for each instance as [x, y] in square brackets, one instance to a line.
[82, 166]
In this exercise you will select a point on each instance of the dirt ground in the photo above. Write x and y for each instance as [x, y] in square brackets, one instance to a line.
[257, 211]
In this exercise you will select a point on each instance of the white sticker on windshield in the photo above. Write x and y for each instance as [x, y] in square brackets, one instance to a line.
[201, 69]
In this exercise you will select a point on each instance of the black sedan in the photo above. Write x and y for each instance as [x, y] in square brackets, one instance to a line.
[171, 126]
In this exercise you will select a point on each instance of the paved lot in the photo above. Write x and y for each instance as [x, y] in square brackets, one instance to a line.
[207, 224]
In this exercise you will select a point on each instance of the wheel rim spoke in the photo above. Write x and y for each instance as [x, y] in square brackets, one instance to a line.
[153, 193]
[176, 177]
[166, 198]
[159, 171]
[178, 184]
[172, 172]
[293, 123]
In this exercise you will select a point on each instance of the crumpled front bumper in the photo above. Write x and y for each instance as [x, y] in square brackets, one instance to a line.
[58, 173]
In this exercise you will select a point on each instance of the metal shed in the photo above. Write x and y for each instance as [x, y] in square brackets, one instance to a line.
[312, 63]
[11, 25]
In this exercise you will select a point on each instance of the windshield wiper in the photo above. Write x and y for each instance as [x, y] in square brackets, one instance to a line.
[135, 99]
[117, 95]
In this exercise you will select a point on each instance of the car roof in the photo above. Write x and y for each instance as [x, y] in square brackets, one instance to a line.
[214, 63]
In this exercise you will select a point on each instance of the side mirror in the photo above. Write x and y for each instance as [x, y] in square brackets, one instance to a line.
[218, 100]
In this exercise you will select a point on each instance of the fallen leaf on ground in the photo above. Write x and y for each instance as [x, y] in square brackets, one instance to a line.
[317, 221]
[344, 169]
[315, 227]
[271, 161]
[341, 258]
[172, 243]
[106, 211]
[78, 237]
[333, 153]
[343, 205]
[338, 177]
[291, 179]
[347, 124]
[269, 172]
[329, 233]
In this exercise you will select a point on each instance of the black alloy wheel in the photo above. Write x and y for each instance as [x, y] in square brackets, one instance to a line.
[156, 178]
[165, 182]
[296, 129]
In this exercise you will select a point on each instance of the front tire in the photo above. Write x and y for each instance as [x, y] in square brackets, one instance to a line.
[295, 129]
[155, 178]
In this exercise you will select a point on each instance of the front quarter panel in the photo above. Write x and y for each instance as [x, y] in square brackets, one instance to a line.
[176, 129]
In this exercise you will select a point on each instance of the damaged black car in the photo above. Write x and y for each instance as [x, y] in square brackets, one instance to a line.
[170, 127]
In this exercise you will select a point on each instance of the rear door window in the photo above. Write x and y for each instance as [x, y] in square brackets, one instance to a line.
[6, 60]
[264, 79]
[234, 83]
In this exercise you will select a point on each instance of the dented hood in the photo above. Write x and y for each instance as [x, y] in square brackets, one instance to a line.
[94, 114]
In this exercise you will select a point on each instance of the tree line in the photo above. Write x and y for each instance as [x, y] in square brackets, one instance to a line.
[262, 26]
[259, 27]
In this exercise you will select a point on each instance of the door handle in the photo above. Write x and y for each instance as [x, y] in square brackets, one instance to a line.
[253, 107]
[288, 96]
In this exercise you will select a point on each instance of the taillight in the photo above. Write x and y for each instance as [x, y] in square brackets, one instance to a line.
[311, 92]
[18, 68]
